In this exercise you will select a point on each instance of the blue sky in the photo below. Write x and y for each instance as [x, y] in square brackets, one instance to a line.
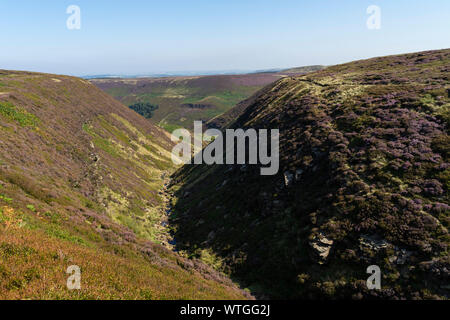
[138, 37]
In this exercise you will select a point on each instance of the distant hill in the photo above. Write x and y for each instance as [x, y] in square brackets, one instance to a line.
[172, 94]
[364, 180]
[301, 70]
[81, 183]
[227, 117]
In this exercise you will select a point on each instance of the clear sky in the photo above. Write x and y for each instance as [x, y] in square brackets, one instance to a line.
[138, 37]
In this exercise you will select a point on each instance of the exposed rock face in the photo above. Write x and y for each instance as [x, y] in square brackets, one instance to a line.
[288, 178]
[401, 256]
[321, 248]
[374, 243]
[372, 140]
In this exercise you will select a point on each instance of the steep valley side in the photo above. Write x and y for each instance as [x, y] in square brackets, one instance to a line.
[80, 182]
[364, 180]
[183, 99]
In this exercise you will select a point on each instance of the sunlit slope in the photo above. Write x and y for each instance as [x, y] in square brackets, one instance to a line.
[80, 176]
[182, 100]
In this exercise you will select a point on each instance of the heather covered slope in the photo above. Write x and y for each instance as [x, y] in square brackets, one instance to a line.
[363, 180]
[227, 118]
[80, 181]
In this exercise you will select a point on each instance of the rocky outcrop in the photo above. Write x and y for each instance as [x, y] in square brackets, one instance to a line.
[373, 243]
[363, 159]
[321, 247]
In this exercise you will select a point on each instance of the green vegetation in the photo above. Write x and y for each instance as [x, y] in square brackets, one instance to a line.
[145, 109]
[363, 180]
[169, 127]
[5, 198]
[99, 142]
[219, 93]
[83, 188]
[24, 118]
[31, 249]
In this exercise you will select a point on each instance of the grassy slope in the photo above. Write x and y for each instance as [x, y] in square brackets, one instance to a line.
[79, 180]
[302, 70]
[371, 139]
[217, 93]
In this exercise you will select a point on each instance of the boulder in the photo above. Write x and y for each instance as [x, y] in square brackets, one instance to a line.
[321, 247]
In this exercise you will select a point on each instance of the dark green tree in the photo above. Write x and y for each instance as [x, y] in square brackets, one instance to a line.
[145, 109]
